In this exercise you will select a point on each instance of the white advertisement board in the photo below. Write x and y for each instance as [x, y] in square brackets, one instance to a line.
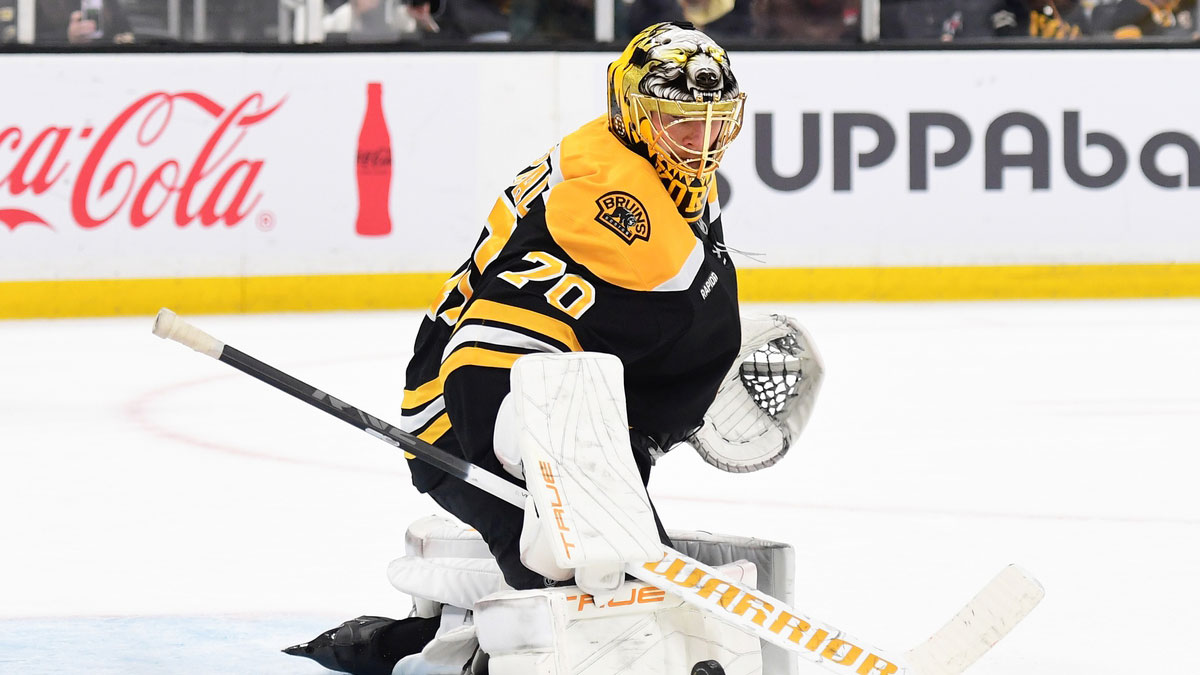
[968, 158]
[230, 165]
[247, 165]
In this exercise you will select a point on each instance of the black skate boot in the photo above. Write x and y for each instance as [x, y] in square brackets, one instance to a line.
[708, 668]
[368, 645]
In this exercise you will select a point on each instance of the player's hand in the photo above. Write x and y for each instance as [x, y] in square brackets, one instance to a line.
[80, 31]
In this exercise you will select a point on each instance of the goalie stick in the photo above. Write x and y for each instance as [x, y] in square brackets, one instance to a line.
[987, 618]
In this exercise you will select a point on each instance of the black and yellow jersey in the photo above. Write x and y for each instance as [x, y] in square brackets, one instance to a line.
[585, 251]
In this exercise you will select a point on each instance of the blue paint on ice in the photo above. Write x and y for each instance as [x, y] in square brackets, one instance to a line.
[158, 644]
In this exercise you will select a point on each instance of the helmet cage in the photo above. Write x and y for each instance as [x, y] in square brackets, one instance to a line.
[655, 118]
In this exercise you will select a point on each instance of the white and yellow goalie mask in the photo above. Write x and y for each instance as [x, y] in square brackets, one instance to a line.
[672, 92]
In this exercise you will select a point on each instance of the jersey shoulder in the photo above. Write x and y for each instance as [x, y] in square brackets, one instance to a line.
[611, 214]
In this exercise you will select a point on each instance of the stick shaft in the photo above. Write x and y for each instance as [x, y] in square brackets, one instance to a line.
[429, 453]
[169, 326]
[426, 452]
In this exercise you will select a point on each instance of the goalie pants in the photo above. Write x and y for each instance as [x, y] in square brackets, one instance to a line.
[499, 523]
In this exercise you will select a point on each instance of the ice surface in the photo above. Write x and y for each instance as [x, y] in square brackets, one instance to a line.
[165, 513]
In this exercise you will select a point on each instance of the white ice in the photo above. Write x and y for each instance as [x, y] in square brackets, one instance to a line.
[164, 513]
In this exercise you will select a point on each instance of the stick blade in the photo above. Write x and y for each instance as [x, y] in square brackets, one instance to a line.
[985, 620]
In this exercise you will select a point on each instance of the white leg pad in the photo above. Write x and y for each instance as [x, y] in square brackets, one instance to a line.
[443, 537]
[447, 563]
[640, 631]
[522, 664]
[574, 442]
[460, 582]
[451, 648]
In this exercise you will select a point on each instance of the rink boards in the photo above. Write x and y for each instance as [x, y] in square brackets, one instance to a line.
[250, 182]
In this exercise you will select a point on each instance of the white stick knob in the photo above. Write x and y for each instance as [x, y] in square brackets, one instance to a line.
[169, 326]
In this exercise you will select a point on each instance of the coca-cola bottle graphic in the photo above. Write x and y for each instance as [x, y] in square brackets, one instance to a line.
[374, 168]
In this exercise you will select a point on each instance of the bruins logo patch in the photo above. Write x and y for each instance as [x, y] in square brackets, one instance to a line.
[622, 213]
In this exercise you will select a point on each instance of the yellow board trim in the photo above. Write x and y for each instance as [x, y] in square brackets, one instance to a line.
[1016, 282]
[217, 295]
[414, 290]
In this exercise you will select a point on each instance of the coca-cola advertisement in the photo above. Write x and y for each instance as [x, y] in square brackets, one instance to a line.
[130, 172]
[231, 165]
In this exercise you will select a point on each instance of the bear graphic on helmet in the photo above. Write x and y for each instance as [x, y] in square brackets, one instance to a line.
[673, 99]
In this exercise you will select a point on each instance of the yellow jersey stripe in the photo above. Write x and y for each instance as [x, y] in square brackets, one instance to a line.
[422, 394]
[436, 430]
[465, 356]
[444, 293]
[476, 356]
[489, 310]
[501, 222]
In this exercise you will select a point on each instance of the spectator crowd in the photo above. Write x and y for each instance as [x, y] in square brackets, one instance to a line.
[949, 20]
[556, 22]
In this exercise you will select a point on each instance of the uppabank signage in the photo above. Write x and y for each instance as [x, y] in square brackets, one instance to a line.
[929, 159]
[878, 145]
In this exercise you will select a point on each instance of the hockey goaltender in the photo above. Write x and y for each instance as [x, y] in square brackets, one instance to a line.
[593, 327]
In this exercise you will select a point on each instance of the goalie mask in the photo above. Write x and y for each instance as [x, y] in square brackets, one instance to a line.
[673, 98]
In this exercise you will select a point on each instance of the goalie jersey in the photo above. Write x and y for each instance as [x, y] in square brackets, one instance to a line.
[587, 250]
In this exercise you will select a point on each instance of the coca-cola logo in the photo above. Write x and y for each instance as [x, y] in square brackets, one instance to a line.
[376, 159]
[121, 172]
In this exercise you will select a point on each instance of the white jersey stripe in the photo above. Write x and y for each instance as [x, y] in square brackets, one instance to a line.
[683, 280]
[556, 176]
[495, 336]
[410, 422]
